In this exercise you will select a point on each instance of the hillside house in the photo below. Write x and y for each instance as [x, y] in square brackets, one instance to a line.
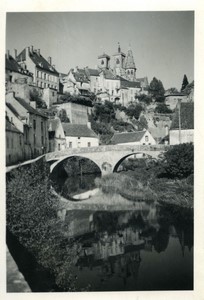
[184, 134]
[171, 100]
[76, 82]
[79, 136]
[44, 72]
[57, 140]
[31, 122]
[15, 74]
[14, 144]
[133, 138]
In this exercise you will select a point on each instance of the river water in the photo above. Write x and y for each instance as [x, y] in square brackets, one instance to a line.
[147, 249]
[142, 250]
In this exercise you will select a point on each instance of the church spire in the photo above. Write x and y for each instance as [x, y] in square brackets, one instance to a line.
[129, 63]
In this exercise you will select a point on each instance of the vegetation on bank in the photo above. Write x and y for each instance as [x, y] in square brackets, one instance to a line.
[169, 180]
[32, 218]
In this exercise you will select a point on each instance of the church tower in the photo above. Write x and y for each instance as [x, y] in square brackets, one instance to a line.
[129, 66]
[103, 61]
[118, 61]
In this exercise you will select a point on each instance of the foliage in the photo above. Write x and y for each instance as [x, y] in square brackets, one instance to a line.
[162, 108]
[32, 218]
[103, 112]
[78, 99]
[121, 126]
[156, 88]
[35, 96]
[144, 99]
[172, 90]
[187, 90]
[184, 83]
[179, 161]
[142, 123]
[63, 116]
[134, 110]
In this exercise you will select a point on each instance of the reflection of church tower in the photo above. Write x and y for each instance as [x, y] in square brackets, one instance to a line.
[129, 66]
[103, 61]
[118, 61]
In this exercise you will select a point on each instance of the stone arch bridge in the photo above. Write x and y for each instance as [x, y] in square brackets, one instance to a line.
[107, 158]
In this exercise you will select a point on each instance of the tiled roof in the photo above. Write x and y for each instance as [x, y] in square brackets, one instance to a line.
[78, 130]
[11, 127]
[108, 74]
[13, 110]
[29, 108]
[186, 117]
[80, 75]
[129, 61]
[130, 84]
[12, 65]
[38, 60]
[175, 95]
[91, 72]
[127, 137]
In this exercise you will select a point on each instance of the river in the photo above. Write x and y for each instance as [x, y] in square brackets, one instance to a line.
[141, 250]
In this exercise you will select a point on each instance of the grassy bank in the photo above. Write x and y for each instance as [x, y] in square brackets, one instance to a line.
[141, 185]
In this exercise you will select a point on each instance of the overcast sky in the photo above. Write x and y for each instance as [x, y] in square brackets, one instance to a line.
[162, 42]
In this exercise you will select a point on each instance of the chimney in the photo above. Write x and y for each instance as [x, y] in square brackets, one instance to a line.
[31, 47]
[89, 125]
[7, 54]
[53, 66]
[27, 52]
[15, 53]
[38, 51]
[50, 60]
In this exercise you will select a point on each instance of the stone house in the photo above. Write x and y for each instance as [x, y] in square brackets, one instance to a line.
[184, 134]
[35, 124]
[76, 82]
[44, 72]
[79, 136]
[133, 138]
[14, 144]
[171, 100]
[15, 74]
[57, 140]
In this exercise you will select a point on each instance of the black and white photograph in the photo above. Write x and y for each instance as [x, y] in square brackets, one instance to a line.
[99, 159]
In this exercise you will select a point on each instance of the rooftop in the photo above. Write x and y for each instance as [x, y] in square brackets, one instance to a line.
[127, 137]
[78, 130]
[12, 65]
[29, 108]
[11, 127]
[38, 60]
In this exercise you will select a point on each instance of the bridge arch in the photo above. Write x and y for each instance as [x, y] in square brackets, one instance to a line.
[58, 163]
[143, 155]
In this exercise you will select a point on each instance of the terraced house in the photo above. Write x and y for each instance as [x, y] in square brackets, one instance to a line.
[44, 72]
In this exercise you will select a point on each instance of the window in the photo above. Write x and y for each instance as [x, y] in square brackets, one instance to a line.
[59, 147]
[146, 138]
[10, 78]
[45, 85]
[117, 61]
[70, 144]
[89, 144]
[102, 62]
[53, 93]
[38, 74]
[34, 124]
[42, 140]
[7, 142]
[132, 72]
[44, 75]
[20, 141]
[59, 136]
[34, 139]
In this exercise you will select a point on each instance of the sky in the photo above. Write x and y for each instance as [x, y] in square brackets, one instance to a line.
[162, 42]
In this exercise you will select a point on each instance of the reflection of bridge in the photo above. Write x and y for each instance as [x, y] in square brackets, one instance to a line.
[107, 158]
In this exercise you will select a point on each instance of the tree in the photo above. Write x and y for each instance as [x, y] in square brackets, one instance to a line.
[184, 83]
[134, 111]
[143, 123]
[156, 88]
[162, 108]
[179, 161]
[144, 99]
[172, 90]
[63, 116]
[35, 96]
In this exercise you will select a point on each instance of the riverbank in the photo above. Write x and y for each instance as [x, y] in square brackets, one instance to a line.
[163, 190]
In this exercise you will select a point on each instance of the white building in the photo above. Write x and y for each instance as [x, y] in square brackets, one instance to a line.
[79, 136]
[133, 138]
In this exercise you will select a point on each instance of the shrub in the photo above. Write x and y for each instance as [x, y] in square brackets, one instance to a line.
[179, 161]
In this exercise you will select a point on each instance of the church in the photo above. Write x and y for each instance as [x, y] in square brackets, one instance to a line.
[113, 80]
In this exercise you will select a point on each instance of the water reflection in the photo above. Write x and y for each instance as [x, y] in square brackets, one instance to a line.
[138, 250]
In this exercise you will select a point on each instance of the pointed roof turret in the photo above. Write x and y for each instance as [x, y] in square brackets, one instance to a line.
[129, 62]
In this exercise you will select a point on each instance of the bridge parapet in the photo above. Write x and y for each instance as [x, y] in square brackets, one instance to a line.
[105, 148]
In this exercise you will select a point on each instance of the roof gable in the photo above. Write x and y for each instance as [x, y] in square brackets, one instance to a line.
[29, 108]
[127, 137]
